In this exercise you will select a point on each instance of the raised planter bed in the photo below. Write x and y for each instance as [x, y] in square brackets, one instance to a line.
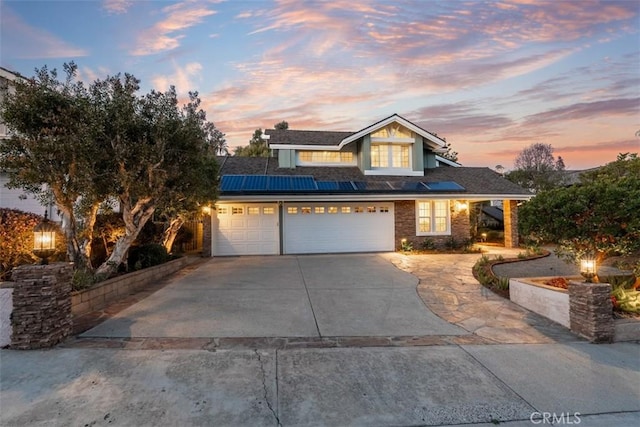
[547, 301]
[104, 293]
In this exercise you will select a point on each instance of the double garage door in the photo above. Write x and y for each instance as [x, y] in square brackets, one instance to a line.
[254, 229]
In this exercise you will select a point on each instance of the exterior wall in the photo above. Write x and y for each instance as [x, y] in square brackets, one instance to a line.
[207, 235]
[550, 302]
[364, 158]
[287, 159]
[418, 154]
[510, 209]
[405, 225]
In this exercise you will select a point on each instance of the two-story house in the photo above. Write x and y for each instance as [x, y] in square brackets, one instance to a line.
[364, 191]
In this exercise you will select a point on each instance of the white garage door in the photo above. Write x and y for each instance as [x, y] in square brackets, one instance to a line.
[246, 229]
[338, 227]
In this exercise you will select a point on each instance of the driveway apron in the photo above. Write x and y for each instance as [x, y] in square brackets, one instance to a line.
[283, 296]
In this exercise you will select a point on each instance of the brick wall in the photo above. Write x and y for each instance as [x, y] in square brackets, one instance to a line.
[405, 224]
[41, 305]
[510, 209]
[206, 235]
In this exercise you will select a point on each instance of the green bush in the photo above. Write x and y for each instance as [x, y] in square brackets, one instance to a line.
[428, 244]
[148, 255]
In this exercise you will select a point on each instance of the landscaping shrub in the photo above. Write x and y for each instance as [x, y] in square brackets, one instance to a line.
[428, 244]
[16, 240]
[147, 256]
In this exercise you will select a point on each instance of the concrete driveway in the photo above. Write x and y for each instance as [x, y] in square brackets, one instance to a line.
[285, 296]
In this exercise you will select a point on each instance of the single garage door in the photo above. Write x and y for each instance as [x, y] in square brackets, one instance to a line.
[338, 227]
[246, 229]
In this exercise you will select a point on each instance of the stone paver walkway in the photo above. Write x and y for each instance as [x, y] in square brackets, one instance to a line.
[448, 288]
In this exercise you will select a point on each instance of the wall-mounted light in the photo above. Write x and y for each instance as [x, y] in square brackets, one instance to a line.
[206, 210]
[44, 239]
[461, 206]
[588, 268]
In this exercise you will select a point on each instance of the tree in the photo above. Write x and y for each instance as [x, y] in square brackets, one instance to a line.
[536, 169]
[283, 125]
[160, 154]
[598, 216]
[53, 154]
[257, 147]
[449, 154]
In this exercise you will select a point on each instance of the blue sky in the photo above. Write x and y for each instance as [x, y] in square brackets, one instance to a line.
[491, 77]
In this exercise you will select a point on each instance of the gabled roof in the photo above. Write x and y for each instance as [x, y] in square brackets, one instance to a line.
[332, 140]
[479, 182]
[10, 75]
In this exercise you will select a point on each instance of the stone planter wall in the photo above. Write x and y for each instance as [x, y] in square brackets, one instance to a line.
[585, 308]
[550, 302]
[111, 290]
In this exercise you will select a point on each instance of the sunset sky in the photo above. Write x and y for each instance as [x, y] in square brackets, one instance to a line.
[490, 77]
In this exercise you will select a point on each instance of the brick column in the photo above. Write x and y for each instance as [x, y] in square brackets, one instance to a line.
[41, 315]
[206, 235]
[591, 311]
[510, 210]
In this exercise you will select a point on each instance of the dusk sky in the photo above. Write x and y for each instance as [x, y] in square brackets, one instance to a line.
[490, 77]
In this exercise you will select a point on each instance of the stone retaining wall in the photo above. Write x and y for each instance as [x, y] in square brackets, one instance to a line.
[590, 310]
[550, 302]
[104, 293]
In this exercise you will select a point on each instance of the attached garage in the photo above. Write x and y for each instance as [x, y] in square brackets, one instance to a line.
[338, 227]
[246, 229]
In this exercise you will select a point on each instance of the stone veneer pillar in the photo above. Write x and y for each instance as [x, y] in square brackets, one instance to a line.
[41, 315]
[510, 211]
[591, 311]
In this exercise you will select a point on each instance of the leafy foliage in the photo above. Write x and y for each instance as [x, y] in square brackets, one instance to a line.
[147, 256]
[16, 240]
[257, 147]
[536, 169]
[599, 216]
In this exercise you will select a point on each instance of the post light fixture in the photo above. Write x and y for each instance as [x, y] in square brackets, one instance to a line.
[44, 239]
[588, 268]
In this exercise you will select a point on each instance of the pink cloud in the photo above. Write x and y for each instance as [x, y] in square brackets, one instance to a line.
[165, 34]
[116, 6]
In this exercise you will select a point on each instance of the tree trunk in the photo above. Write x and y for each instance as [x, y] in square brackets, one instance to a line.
[134, 219]
[78, 248]
[169, 235]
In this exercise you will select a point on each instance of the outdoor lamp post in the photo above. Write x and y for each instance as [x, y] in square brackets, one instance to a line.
[588, 268]
[44, 239]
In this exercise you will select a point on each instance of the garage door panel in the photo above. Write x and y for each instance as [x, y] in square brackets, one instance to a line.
[351, 231]
[244, 229]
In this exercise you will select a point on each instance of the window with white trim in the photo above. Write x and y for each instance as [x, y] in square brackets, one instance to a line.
[237, 211]
[253, 210]
[386, 156]
[268, 211]
[222, 210]
[432, 217]
[292, 210]
[325, 157]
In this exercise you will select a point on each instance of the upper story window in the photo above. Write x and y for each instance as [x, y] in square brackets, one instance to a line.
[387, 156]
[325, 157]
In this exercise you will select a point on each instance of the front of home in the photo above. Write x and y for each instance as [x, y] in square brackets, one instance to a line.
[338, 192]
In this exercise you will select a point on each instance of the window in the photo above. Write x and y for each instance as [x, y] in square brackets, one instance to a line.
[305, 210]
[222, 210]
[345, 209]
[332, 209]
[383, 209]
[319, 209]
[292, 210]
[390, 156]
[237, 210]
[253, 211]
[432, 217]
[268, 211]
[345, 157]
[358, 209]
[371, 209]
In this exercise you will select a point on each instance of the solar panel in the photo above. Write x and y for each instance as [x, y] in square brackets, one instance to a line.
[360, 185]
[327, 185]
[444, 186]
[231, 182]
[279, 183]
[255, 182]
[346, 186]
[413, 186]
[378, 186]
[303, 183]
